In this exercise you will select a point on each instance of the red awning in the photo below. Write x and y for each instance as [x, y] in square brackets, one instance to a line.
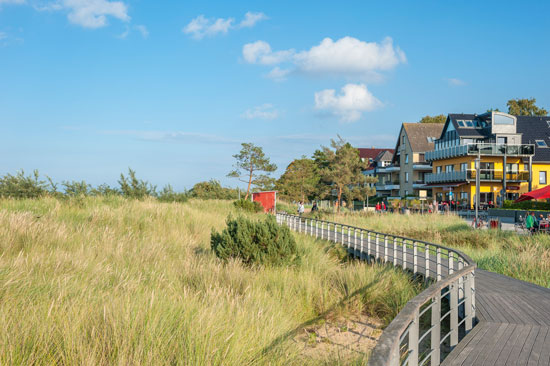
[537, 194]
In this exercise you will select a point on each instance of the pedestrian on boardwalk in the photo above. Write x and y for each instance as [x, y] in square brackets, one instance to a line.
[530, 222]
[301, 208]
[378, 207]
[383, 206]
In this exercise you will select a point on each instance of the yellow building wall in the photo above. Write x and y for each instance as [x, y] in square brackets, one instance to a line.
[537, 168]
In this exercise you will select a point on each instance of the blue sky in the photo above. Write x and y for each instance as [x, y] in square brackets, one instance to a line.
[89, 88]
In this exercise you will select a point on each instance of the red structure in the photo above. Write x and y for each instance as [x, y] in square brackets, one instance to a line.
[267, 199]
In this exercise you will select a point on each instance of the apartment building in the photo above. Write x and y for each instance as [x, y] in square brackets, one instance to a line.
[378, 168]
[514, 157]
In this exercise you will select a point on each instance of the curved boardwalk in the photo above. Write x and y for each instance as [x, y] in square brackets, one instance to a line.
[513, 317]
[514, 324]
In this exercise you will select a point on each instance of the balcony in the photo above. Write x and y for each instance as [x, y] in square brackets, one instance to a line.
[470, 175]
[422, 166]
[481, 149]
[418, 184]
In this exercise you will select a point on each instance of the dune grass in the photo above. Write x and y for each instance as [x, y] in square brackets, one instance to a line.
[109, 281]
[520, 256]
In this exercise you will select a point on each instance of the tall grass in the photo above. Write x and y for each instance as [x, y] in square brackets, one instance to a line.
[110, 281]
[523, 257]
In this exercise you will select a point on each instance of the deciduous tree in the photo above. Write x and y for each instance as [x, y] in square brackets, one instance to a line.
[434, 119]
[344, 169]
[300, 180]
[251, 162]
[525, 107]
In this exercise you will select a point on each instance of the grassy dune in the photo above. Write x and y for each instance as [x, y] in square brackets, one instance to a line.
[520, 256]
[107, 281]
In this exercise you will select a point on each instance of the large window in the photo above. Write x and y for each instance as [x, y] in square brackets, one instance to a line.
[463, 167]
[499, 119]
[449, 168]
[542, 177]
[438, 169]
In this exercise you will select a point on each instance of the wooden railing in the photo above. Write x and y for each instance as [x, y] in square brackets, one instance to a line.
[432, 323]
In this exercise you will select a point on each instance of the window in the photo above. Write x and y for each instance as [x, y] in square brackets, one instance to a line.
[542, 177]
[499, 119]
[460, 123]
[438, 169]
[548, 122]
[502, 140]
[526, 167]
[469, 124]
[403, 139]
[467, 141]
[512, 168]
[406, 193]
[463, 167]
[449, 168]
[406, 177]
[464, 196]
[406, 158]
[541, 143]
[430, 139]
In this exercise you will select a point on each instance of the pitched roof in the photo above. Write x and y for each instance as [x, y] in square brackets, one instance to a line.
[371, 153]
[384, 155]
[418, 134]
[535, 128]
[465, 131]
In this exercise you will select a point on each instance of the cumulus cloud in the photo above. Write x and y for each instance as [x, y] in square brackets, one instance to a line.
[201, 27]
[251, 18]
[350, 104]
[264, 111]
[89, 13]
[345, 56]
[260, 52]
[455, 82]
[278, 74]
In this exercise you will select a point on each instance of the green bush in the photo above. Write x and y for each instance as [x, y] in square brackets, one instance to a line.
[169, 195]
[213, 190]
[255, 242]
[22, 186]
[527, 205]
[132, 187]
[250, 206]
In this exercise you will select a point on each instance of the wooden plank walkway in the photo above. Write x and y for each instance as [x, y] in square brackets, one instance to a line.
[513, 316]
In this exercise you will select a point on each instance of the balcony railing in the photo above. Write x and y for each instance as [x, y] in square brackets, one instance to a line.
[481, 149]
[484, 175]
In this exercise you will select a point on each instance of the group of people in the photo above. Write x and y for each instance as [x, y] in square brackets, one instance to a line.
[381, 207]
[534, 224]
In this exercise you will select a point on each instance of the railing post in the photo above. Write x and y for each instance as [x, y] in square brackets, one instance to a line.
[369, 250]
[404, 254]
[377, 250]
[395, 251]
[355, 243]
[349, 238]
[451, 262]
[361, 247]
[427, 253]
[415, 257]
[436, 330]
[454, 314]
[473, 289]
[342, 233]
[438, 259]
[335, 234]
[468, 303]
[414, 329]
[385, 248]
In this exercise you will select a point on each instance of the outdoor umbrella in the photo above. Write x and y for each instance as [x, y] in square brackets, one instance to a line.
[537, 194]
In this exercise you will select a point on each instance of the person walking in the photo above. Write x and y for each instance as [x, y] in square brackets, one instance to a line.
[378, 207]
[314, 207]
[301, 208]
[383, 206]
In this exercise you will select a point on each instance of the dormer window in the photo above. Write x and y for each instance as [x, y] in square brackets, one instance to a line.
[541, 143]
[469, 124]
[461, 123]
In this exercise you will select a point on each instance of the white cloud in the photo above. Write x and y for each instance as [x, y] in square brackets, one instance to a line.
[278, 74]
[201, 26]
[251, 18]
[93, 13]
[264, 111]
[347, 56]
[260, 52]
[143, 30]
[455, 82]
[350, 104]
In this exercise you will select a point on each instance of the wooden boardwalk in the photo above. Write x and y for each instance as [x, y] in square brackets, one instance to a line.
[513, 328]
[513, 317]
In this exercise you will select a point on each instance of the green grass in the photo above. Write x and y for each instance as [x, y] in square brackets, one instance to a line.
[520, 256]
[109, 281]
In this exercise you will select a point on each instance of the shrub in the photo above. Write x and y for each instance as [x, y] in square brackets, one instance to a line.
[75, 188]
[527, 205]
[213, 190]
[250, 206]
[255, 242]
[132, 187]
[21, 186]
[169, 195]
